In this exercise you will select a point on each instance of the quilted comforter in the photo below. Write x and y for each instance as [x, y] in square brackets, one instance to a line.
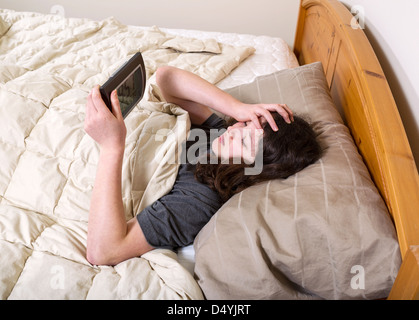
[48, 65]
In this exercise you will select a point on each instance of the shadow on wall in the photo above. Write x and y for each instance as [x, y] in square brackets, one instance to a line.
[399, 83]
[390, 64]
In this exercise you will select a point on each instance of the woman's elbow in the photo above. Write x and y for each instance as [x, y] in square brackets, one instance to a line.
[98, 257]
[163, 73]
[92, 257]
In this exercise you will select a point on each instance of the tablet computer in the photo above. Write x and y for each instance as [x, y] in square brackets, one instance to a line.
[129, 82]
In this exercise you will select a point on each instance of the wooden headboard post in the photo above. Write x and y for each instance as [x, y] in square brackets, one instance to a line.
[360, 91]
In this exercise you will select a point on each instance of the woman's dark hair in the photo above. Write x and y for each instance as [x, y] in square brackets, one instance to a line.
[285, 152]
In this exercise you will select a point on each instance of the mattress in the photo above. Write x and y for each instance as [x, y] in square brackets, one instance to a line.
[272, 54]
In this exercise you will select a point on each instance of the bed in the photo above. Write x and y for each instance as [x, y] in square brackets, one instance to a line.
[344, 228]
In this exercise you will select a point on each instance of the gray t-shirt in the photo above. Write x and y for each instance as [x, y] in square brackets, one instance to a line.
[175, 219]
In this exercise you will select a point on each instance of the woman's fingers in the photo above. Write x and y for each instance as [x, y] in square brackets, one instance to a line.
[255, 120]
[282, 109]
[98, 101]
[116, 108]
[288, 111]
[268, 117]
[285, 112]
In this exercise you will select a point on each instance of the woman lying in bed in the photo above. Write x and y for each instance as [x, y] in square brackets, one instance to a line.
[264, 133]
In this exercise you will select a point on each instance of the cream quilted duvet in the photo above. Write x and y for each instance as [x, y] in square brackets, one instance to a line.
[48, 65]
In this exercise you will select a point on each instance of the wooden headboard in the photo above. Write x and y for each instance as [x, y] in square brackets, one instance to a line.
[360, 91]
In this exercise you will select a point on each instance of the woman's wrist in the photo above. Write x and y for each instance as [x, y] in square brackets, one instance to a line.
[112, 151]
[238, 110]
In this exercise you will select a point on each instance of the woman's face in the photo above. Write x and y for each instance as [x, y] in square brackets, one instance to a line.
[240, 141]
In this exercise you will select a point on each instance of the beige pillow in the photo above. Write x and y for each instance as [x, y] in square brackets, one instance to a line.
[323, 233]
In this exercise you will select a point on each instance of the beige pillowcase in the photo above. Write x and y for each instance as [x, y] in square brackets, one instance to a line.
[324, 233]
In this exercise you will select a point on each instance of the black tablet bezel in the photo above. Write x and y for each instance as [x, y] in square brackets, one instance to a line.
[133, 65]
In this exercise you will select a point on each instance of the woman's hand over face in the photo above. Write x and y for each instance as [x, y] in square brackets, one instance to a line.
[253, 113]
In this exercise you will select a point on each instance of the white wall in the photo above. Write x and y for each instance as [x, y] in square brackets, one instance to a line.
[261, 17]
[391, 26]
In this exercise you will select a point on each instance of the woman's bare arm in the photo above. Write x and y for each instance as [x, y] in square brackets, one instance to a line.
[110, 239]
[197, 95]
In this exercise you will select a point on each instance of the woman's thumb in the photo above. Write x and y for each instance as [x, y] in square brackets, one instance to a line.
[116, 108]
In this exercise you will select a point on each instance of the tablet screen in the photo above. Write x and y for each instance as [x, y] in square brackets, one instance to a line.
[130, 91]
[129, 82]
